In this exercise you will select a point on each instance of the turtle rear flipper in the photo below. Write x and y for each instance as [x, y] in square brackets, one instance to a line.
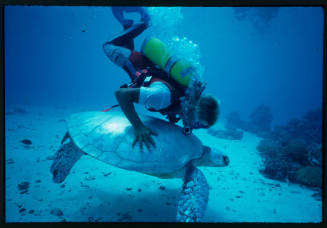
[194, 197]
[65, 158]
[66, 136]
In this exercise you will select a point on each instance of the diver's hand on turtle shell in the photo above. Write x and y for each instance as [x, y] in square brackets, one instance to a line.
[143, 135]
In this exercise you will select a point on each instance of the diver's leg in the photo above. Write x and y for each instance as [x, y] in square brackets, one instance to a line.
[118, 50]
[126, 38]
[120, 56]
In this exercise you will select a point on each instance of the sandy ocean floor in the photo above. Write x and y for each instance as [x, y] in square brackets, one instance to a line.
[95, 191]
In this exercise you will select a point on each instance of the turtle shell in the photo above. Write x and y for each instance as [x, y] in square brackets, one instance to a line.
[108, 136]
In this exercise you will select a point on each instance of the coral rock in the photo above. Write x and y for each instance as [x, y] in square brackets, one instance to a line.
[296, 151]
[310, 176]
[56, 212]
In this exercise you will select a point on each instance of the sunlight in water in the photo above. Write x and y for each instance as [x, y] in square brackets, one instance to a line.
[116, 125]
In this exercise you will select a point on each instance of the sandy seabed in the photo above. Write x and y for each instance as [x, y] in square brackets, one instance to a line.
[97, 192]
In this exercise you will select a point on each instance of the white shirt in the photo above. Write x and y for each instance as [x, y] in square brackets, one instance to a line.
[157, 96]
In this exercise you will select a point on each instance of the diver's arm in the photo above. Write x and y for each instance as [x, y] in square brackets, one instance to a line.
[126, 97]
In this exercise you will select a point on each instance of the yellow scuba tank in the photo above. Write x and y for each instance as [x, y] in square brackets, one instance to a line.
[179, 69]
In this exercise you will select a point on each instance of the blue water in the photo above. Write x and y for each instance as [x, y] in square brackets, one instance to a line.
[250, 56]
[247, 56]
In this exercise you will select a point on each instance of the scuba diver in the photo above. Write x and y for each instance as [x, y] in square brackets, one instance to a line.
[159, 81]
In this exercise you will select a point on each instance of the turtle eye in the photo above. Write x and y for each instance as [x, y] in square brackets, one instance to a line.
[225, 159]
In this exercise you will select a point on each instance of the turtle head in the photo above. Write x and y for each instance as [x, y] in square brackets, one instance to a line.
[213, 157]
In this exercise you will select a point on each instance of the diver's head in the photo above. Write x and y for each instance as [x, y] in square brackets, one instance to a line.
[207, 110]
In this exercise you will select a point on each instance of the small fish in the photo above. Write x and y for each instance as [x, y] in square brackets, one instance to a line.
[26, 141]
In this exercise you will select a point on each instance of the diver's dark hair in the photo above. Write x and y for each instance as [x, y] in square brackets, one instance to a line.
[208, 109]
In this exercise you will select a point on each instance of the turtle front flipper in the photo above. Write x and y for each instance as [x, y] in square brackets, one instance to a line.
[65, 158]
[194, 196]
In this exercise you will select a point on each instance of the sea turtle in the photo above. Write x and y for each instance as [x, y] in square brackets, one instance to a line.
[108, 136]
